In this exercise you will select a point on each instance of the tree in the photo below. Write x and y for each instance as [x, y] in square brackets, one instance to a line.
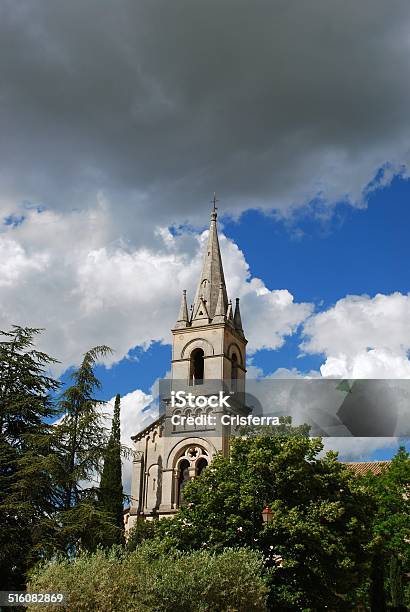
[391, 532]
[396, 584]
[111, 492]
[26, 440]
[284, 429]
[81, 439]
[320, 518]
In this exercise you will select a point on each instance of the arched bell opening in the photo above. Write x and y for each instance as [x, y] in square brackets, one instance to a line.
[196, 372]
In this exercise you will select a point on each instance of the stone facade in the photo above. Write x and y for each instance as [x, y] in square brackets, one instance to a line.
[208, 350]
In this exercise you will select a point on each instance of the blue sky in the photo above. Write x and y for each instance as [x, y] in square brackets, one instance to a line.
[353, 251]
[356, 251]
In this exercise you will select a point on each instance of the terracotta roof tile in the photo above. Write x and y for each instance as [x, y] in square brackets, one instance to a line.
[364, 467]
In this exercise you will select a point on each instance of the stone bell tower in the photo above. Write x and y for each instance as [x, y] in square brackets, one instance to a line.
[208, 341]
[208, 350]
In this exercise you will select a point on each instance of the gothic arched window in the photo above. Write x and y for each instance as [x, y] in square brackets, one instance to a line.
[200, 466]
[190, 463]
[196, 375]
[183, 479]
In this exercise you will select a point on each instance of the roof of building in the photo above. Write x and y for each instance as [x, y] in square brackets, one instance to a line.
[148, 429]
[360, 468]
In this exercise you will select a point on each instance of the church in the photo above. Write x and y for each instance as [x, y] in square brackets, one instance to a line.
[208, 353]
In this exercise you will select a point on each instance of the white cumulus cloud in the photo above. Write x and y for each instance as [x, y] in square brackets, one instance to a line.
[16, 263]
[66, 273]
[134, 417]
[362, 337]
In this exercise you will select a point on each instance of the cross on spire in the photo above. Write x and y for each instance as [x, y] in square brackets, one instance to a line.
[214, 201]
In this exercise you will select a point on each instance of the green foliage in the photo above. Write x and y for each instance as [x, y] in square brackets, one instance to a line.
[391, 528]
[82, 527]
[142, 530]
[320, 520]
[152, 578]
[284, 429]
[26, 439]
[82, 435]
[79, 451]
[111, 493]
[335, 540]
[45, 503]
[396, 582]
[391, 490]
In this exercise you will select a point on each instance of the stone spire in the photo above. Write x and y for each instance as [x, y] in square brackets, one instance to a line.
[212, 276]
[237, 321]
[183, 319]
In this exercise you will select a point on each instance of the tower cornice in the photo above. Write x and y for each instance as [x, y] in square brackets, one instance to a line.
[211, 326]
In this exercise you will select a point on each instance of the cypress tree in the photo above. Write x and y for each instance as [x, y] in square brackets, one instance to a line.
[111, 491]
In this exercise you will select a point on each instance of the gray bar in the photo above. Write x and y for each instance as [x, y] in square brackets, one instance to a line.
[331, 407]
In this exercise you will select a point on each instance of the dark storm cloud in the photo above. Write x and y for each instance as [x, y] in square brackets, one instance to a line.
[158, 103]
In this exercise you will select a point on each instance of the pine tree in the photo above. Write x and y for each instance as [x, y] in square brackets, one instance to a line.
[111, 492]
[26, 440]
[80, 522]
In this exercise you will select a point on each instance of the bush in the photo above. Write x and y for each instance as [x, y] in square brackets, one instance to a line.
[90, 582]
[150, 579]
